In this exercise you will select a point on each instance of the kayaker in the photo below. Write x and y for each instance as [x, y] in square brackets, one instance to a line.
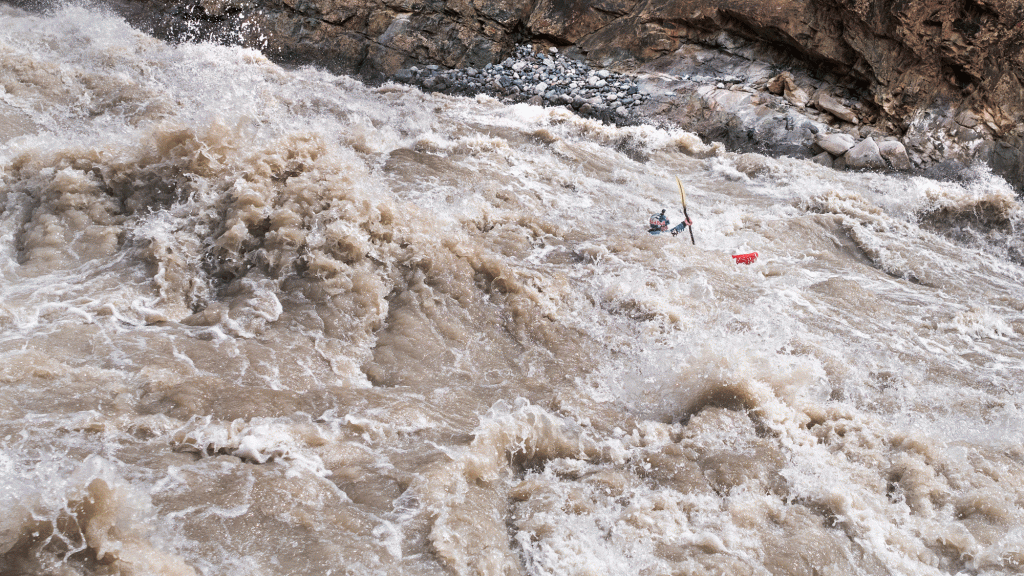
[659, 223]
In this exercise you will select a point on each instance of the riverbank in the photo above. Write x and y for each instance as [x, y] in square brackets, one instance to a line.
[746, 104]
[846, 86]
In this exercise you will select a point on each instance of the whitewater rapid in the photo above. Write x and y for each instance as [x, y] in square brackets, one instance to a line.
[258, 320]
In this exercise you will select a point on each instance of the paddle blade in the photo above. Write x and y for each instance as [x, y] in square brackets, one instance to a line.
[682, 193]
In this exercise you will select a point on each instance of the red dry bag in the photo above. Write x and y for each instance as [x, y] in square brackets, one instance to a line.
[745, 258]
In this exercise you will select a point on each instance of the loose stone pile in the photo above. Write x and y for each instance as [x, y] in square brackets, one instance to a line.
[548, 79]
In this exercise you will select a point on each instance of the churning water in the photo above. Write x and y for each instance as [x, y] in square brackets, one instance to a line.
[266, 321]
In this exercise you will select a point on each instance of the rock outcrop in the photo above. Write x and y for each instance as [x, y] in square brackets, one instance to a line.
[944, 77]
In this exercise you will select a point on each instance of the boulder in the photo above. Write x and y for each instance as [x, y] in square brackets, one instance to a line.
[777, 85]
[835, 143]
[797, 96]
[865, 156]
[785, 85]
[827, 103]
[895, 154]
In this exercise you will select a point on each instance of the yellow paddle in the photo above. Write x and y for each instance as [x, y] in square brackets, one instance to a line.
[682, 194]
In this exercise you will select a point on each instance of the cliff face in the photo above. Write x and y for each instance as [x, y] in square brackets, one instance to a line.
[908, 57]
[917, 66]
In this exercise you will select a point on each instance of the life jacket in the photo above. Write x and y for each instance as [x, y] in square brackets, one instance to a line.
[659, 222]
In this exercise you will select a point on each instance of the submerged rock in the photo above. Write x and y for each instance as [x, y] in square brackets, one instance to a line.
[825, 159]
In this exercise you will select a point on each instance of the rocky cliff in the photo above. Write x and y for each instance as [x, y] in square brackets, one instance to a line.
[944, 77]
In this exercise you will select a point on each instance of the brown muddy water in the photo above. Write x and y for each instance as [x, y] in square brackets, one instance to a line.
[258, 321]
